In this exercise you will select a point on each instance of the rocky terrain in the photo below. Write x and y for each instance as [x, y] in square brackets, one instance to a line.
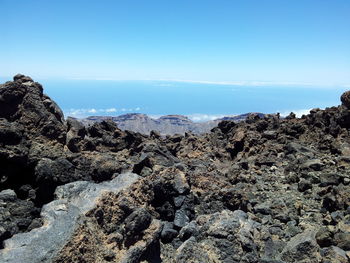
[264, 190]
[165, 125]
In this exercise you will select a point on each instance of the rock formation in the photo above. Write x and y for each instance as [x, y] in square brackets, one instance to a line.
[261, 190]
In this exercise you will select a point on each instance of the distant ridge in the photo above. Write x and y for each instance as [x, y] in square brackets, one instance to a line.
[167, 124]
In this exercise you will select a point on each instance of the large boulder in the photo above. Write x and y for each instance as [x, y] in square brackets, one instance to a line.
[23, 101]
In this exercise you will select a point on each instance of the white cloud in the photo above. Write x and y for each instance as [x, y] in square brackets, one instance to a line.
[82, 113]
[315, 84]
[206, 117]
[260, 83]
[92, 111]
[111, 110]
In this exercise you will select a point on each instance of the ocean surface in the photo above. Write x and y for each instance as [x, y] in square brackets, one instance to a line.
[199, 101]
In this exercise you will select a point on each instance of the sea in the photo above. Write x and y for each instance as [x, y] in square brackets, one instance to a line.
[199, 101]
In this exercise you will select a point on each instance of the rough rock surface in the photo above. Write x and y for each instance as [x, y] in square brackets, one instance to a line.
[264, 190]
[61, 218]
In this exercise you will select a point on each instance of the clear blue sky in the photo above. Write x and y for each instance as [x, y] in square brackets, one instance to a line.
[261, 40]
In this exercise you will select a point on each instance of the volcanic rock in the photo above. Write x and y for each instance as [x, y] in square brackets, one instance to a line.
[266, 189]
[345, 99]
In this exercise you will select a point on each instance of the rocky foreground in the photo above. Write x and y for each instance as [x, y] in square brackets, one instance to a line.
[264, 190]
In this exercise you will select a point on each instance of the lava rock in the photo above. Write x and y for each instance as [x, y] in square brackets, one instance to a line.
[304, 185]
[137, 221]
[168, 233]
[342, 240]
[301, 247]
[345, 99]
[330, 179]
[324, 237]
[181, 218]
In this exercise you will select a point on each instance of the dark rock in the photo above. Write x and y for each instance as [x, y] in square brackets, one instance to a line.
[58, 171]
[168, 233]
[342, 240]
[270, 135]
[16, 215]
[181, 218]
[144, 162]
[330, 203]
[345, 99]
[10, 133]
[226, 126]
[179, 200]
[237, 198]
[304, 185]
[21, 78]
[291, 116]
[330, 179]
[301, 247]
[23, 101]
[52, 107]
[166, 211]
[75, 134]
[189, 230]
[8, 195]
[324, 237]
[314, 164]
[76, 127]
[109, 255]
[263, 208]
[137, 221]
[104, 167]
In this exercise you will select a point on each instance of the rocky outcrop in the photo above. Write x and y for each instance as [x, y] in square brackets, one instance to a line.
[39, 151]
[23, 101]
[264, 189]
[61, 219]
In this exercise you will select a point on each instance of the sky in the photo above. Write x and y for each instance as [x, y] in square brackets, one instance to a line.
[274, 41]
[199, 101]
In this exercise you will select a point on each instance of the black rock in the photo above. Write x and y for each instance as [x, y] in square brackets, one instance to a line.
[324, 237]
[137, 221]
[304, 185]
[345, 99]
[168, 232]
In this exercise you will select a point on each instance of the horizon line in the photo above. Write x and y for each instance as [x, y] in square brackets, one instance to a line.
[239, 83]
[226, 83]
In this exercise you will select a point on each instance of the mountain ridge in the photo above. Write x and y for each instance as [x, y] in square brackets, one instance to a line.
[166, 124]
